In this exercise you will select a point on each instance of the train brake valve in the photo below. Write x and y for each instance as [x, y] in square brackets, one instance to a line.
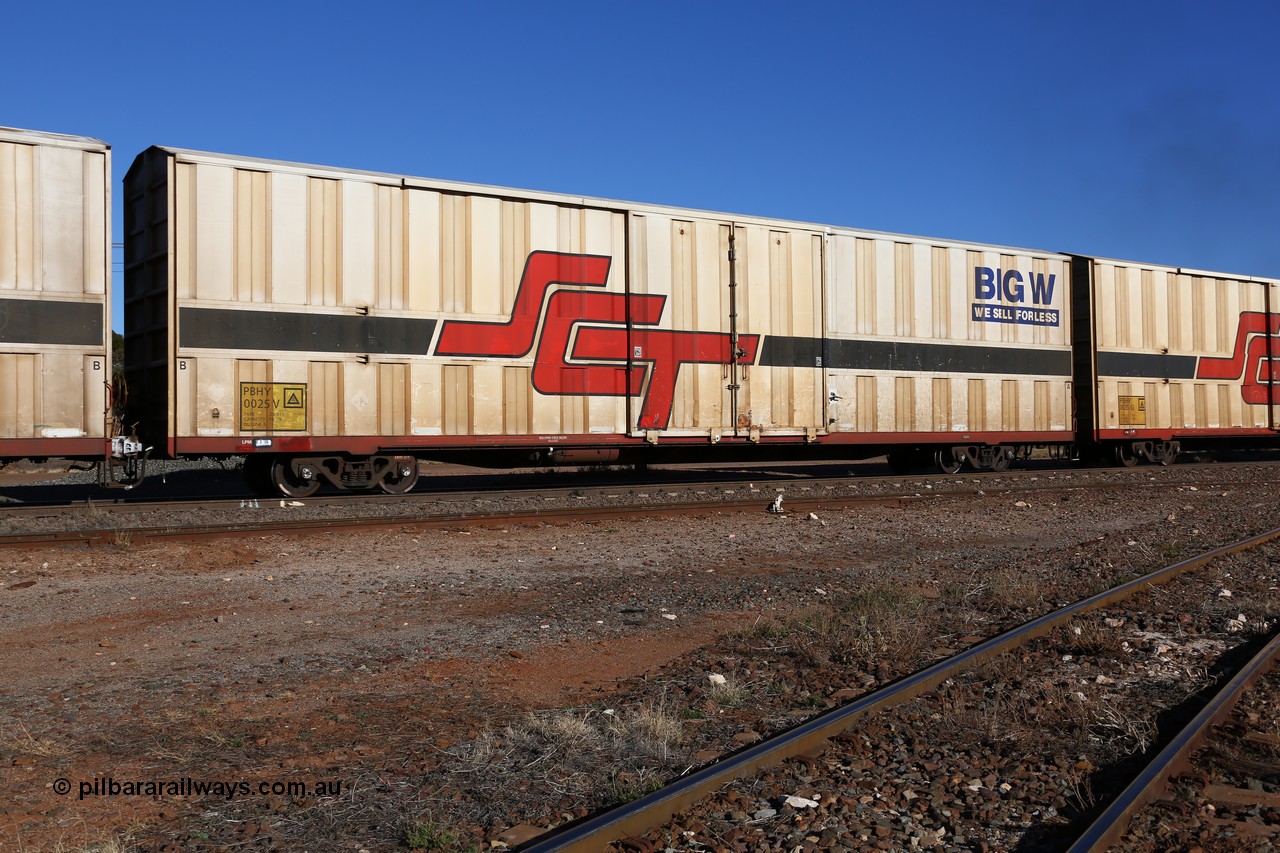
[122, 447]
[126, 465]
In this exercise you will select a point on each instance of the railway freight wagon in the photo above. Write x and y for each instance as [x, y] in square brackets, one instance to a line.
[55, 281]
[1176, 359]
[337, 325]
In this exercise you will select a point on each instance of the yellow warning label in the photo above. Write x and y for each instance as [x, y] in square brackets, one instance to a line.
[1133, 411]
[273, 406]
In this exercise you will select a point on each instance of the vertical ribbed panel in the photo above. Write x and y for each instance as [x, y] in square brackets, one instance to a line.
[1156, 312]
[55, 226]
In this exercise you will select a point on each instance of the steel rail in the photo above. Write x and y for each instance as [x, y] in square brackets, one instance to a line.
[1152, 782]
[596, 832]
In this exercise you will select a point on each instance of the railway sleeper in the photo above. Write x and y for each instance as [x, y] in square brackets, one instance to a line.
[302, 476]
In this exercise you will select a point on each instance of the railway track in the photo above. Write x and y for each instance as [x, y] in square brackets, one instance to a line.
[633, 820]
[460, 483]
[141, 535]
[1175, 760]
[96, 523]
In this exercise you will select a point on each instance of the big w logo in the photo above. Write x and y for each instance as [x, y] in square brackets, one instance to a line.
[612, 351]
[1251, 357]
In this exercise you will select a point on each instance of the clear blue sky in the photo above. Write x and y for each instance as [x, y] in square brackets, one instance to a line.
[1137, 130]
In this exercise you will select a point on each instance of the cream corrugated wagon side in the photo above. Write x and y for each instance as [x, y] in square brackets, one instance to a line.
[1179, 359]
[336, 326]
[56, 390]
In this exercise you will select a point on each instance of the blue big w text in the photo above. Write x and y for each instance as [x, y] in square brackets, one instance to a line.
[991, 283]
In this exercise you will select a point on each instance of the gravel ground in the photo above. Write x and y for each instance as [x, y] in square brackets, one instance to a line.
[1019, 753]
[464, 682]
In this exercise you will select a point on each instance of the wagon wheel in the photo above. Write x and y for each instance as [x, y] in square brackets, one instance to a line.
[402, 476]
[1126, 455]
[1001, 460]
[948, 461]
[290, 484]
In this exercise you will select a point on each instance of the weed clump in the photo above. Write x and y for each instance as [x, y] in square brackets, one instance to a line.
[1090, 638]
[867, 628]
[559, 755]
[427, 835]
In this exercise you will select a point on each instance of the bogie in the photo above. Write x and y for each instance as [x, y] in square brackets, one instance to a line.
[302, 476]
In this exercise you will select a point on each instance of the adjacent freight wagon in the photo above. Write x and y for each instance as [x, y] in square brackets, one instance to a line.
[337, 325]
[1175, 359]
[55, 282]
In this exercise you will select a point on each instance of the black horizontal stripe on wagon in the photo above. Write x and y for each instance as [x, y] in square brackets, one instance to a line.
[1137, 365]
[228, 328]
[838, 354]
[44, 321]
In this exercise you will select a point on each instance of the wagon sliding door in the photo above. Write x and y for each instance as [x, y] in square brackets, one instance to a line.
[779, 299]
[700, 321]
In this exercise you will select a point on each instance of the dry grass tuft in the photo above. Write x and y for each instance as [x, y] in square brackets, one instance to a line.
[590, 756]
[427, 835]
[1124, 732]
[115, 843]
[869, 627]
[25, 742]
[1078, 789]
[1012, 587]
[1002, 700]
[112, 845]
[730, 694]
[1089, 637]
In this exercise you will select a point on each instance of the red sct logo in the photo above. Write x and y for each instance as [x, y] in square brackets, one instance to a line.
[613, 351]
[1252, 356]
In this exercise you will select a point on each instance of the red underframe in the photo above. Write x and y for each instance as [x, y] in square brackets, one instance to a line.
[1168, 434]
[64, 447]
